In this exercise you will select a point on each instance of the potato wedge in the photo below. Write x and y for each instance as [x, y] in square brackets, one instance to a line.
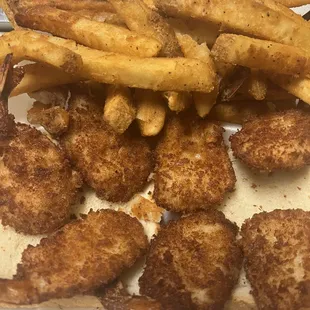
[261, 54]
[162, 74]
[94, 34]
[191, 49]
[249, 17]
[119, 110]
[151, 112]
[257, 85]
[296, 86]
[29, 45]
[143, 20]
[40, 76]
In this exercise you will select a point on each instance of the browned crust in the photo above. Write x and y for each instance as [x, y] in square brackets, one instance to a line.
[193, 170]
[115, 166]
[83, 255]
[277, 250]
[275, 141]
[37, 184]
[188, 256]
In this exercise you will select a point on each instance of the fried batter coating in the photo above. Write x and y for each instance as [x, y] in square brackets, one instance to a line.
[37, 184]
[193, 170]
[83, 255]
[115, 166]
[193, 263]
[276, 247]
[274, 141]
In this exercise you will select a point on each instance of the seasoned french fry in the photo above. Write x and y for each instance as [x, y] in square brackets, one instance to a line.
[191, 49]
[296, 86]
[162, 74]
[141, 19]
[257, 85]
[102, 17]
[261, 54]
[119, 111]
[244, 16]
[294, 3]
[151, 112]
[94, 34]
[76, 5]
[30, 45]
[39, 76]
[178, 102]
[200, 31]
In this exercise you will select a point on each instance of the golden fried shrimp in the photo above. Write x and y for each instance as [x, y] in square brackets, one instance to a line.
[276, 247]
[83, 255]
[275, 141]
[193, 263]
[193, 170]
[115, 166]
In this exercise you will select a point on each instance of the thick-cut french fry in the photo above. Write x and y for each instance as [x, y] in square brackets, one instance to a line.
[178, 102]
[102, 17]
[261, 54]
[296, 86]
[119, 111]
[97, 35]
[200, 31]
[257, 85]
[191, 49]
[9, 9]
[34, 46]
[244, 16]
[162, 74]
[39, 76]
[141, 19]
[294, 3]
[76, 5]
[151, 112]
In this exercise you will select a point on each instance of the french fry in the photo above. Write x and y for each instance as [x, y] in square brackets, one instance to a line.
[296, 86]
[151, 112]
[143, 20]
[102, 17]
[94, 34]
[159, 74]
[249, 17]
[191, 49]
[39, 76]
[29, 45]
[257, 85]
[75, 5]
[261, 54]
[294, 3]
[178, 102]
[200, 31]
[119, 111]
[9, 9]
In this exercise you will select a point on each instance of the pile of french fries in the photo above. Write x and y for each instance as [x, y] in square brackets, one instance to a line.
[156, 56]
